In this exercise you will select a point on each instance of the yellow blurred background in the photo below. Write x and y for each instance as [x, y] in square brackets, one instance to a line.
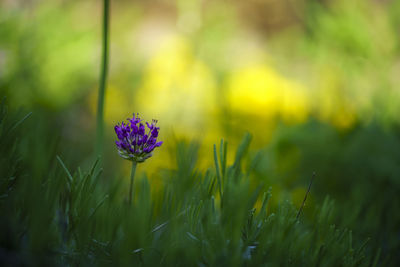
[207, 69]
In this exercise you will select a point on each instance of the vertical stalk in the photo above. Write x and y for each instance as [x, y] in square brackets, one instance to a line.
[131, 192]
[217, 171]
[103, 80]
[305, 197]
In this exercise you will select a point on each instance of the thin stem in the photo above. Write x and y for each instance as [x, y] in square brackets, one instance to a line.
[131, 192]
[103, 79]
[305, 197]
[217, 171]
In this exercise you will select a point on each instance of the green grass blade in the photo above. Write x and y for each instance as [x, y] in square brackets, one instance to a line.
[69, 176]
[20, 121]
[217, 170]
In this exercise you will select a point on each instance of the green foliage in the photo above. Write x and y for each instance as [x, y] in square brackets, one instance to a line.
[211, 218]
[359, 168]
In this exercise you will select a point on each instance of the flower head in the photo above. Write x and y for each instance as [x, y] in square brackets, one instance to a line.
[133, 142]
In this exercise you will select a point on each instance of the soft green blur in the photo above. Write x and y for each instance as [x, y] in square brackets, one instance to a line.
[200, 66]
[205, 69]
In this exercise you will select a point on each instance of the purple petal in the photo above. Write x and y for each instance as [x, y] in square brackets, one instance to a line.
[145, 138]
[141, 129]
[154, 132]
[158, 144]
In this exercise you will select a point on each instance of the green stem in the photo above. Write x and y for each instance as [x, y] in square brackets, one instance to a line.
[217, 171]
[131, 192]
[103, 80]
[305, 197]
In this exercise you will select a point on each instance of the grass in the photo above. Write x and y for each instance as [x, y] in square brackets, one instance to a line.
[213, 218]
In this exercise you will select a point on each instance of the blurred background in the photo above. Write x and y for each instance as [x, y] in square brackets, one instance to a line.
[316, 83]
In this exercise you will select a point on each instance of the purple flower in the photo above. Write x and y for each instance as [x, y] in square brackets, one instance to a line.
[133, 143]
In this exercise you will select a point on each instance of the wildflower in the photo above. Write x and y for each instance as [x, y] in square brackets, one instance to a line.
[133, 142]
